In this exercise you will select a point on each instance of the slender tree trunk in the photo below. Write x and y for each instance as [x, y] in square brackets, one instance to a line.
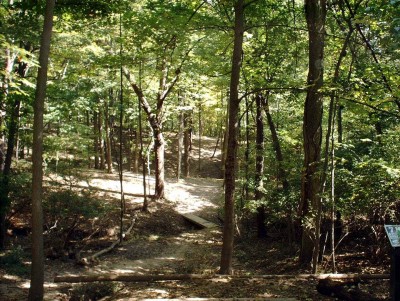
[137, 150]
[261, 230]
[129, 148]
[329, 137]
[225, 141]
[200, 134]
[332, 195]
[108, 140]
[180, 144]
[155, 119]
[96, 140]
[229, 220]
[159, 149]
[17, 136]
[22, 70]
[277, 147]
[145, 207]
[340, 123]
[247, 153]
[310, 204]
[282, 174]
[101, 141]
[5, 190]
[36, 290]
[187, 141]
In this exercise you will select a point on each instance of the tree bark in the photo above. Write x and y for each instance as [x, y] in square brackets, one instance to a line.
[330, 137]
[340, 123]
[7, 157]
[155, 120]
[136, 150]
[247, 153]
[277, 147]
[187, 141]
[224, 145]
[108, 157]
[159, 149]
[36, 290]
[5, 190]
[175, 277]
[310, 203]
[229, 220]
[180, 144]
[101, 141]
[258, 195]
[200, 134]
[96, 141]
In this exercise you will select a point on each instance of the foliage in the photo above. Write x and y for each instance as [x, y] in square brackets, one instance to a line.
[93, 291]
[13, 261]
[68, 215]
[196, 38]
[20, 186]
[67, 204]
[365, 185]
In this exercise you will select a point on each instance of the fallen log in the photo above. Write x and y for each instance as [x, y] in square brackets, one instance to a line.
[321, 276]
[173, 277]
[128, 277]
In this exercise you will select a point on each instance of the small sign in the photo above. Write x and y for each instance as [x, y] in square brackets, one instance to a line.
[393, 233]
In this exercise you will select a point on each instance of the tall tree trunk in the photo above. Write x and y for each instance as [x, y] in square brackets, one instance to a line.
[96, 140]
[277, 146]
[17, 136]
[200, 134]
[261, 230]
[155, 120]
[4, 190]
[282, 174]
[247, 152]
[22, 70]
[329, 148]
[145, 207]
[8, 68]
[37, 273]
[159, 150]
[180, 144]
[136, 150]
[229, 225]
[187, 141]
[108, 139]
[310, 203]
[340, 123]
[101, 141]
[224, 145]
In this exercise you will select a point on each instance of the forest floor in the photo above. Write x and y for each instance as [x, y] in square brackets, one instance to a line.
[163, 242]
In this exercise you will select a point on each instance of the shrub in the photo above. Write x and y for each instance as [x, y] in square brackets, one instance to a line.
[93, 291]
[13, 262]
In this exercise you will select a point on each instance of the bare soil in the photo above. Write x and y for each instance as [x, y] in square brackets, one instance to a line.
[163, 242]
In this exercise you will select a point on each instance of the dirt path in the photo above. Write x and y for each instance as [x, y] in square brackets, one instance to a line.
[163, 242]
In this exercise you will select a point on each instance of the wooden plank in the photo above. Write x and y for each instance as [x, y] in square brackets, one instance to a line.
[201, 222]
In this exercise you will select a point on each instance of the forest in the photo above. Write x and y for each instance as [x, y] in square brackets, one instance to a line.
[170, 149]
